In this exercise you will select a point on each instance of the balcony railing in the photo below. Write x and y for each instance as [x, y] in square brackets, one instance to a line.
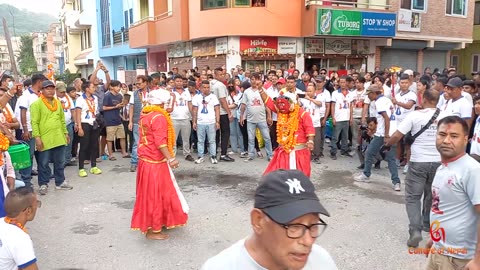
[121, 36]
[152, 19]
[349, 3]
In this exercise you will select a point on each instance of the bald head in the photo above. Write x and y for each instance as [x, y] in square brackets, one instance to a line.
[18, 200]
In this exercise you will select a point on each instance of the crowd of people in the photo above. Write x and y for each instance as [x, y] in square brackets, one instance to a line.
[423, 122]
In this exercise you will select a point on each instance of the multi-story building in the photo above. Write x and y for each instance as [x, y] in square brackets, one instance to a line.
[79, 26]
[337, 35]
[467, 60]
[55, 47]
[40, 50]
[113, 20]
[5, 63]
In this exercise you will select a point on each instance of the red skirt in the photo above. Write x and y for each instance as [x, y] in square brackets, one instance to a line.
[159, 202]
[295, 160]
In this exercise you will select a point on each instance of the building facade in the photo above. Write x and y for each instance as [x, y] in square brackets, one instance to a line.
[5, 63]
[113, 19]
[337, 35]
[40, 50]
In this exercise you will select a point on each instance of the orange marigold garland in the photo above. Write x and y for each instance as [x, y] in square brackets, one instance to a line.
[8, 115]
[4, 144]
[51, 107]
[287, 126]
[68, 106]
[18, 224]
[170, 130]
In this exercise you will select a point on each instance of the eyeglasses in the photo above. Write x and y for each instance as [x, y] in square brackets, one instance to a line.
[295, 231]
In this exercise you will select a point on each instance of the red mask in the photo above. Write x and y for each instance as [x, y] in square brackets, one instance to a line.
[283, 104]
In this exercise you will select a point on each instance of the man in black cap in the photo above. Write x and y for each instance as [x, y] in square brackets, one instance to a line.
[286, 222]
[456, 104]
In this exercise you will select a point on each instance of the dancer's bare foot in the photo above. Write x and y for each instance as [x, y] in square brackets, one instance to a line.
[156, 236]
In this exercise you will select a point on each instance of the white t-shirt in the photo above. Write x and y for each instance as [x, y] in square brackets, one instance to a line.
[24, 102]
[87, 116]
[237, 257]
[180, 109]
[206, 108]
[372, 111]
[475, 143]
[66, 101]
[342, 106]
[400, 112]
[16, 248]
[460, 107]
[357, 98]
[313, 110]
[423, 149]
[326, 98]
[383, 104]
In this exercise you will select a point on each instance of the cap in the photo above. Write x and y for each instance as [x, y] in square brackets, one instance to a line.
[373, 89]
[47, 83]
[409, 72]
[475, 73]
[286, 195]
[158, 97]
[61, 87]
[320, 78]
[281, 80]
[455, 82]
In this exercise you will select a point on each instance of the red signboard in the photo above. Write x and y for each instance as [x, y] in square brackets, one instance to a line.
[258, 45]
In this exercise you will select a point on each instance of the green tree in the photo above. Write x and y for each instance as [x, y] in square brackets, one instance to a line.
[26, 59]
[67, 77]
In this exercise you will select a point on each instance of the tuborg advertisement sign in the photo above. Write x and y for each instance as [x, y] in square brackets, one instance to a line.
[355, 23]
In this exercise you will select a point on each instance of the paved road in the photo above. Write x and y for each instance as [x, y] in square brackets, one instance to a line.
[88, 227]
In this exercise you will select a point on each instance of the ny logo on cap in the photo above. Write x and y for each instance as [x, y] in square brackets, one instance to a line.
[294, 186]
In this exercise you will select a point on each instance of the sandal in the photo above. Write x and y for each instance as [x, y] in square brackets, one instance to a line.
[127, 156]
[112, 158]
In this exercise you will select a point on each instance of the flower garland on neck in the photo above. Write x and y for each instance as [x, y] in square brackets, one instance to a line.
[18, 224]
[287, 126]
[4, 145]
[90, 103]
[170, 131]
[68, 106]
[51, 107]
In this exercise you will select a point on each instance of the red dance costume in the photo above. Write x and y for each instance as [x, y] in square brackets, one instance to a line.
[159, 202]
[299, 157]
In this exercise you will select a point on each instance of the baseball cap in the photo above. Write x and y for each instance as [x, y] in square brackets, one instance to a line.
[61, 87]
[285, 195]
[455, 82]
[47, 83]
[476, 73]
[320, 78]
[281, 81]
[373, 89]
[409, 72]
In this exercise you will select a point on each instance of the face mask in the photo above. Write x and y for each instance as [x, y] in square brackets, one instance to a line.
[10, 85]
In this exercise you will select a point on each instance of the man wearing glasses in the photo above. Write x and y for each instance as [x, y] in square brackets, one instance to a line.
[286, 222]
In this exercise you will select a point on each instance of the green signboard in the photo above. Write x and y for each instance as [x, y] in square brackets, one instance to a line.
[339, 22]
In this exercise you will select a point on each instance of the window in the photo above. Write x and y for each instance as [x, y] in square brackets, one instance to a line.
[130, 11]
[476, 16]
[85, 40]
[454, 61]
[419, 5]
[105, 22]
[456, 7]
[475, 62]
[209, 4]
[126, 21]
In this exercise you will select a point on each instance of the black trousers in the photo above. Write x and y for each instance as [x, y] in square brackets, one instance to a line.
[88, 146]
[273, 135]
[129, 139]
[223, 135]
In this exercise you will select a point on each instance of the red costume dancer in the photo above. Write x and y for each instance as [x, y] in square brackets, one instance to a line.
[295, 134]
[159, 202]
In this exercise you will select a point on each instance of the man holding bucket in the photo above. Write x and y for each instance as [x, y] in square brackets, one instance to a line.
[51, 137]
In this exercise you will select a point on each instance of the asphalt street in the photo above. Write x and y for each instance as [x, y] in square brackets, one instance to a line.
[89, 226]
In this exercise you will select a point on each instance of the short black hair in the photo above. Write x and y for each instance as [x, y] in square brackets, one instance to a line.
[205, 82]
[404, 77]
[27, 83]
[372, 119]
[453, 119]
[273, 72]
[361, 79]
[469, 83]
[70, 89]
[114, 83]
[18, 200]
[5, 77]
[431, 95]
[38, 77]
[442, 79]
[290, 78]
[380, 78]
[349, 79]
[256, 76]
[155, 75]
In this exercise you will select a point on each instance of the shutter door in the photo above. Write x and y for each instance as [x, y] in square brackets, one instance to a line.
[212, 61]
[406, 59]
[434, 59]
[181, 63]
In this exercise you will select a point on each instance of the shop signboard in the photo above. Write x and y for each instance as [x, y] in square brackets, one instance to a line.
[204, 48]
[360, 46]
[338, 46]
[221, 45]
[408, 21]
[355, 23]
[258, 45]
[314, 45]
[287, 45]
[176, 50]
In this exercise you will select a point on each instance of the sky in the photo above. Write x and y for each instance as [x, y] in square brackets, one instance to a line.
[43, 6]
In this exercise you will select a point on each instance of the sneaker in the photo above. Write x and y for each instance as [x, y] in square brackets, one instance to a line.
[200, 160]
[43, 190]
[248, 159]
[244, 155]
[64, 186]
[396, 187]
[133, 168]
[362, 178]
[405, 169]
[415, 239]
[189, 158]
[82, 173]
[346, 154]
[316, 160]
[361, 167]
[95, 170]
[71, 163]
[259, 154]
[213, 160]
[226, 158]
[334, 157]
[231, 153]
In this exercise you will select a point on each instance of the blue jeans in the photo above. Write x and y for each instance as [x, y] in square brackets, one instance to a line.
[236, 137]
[57, 155]
[68, 148]
[136, 136]
[210, 132]
[26, 173]
[340, 127]
[372, 150]
[265, 131]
